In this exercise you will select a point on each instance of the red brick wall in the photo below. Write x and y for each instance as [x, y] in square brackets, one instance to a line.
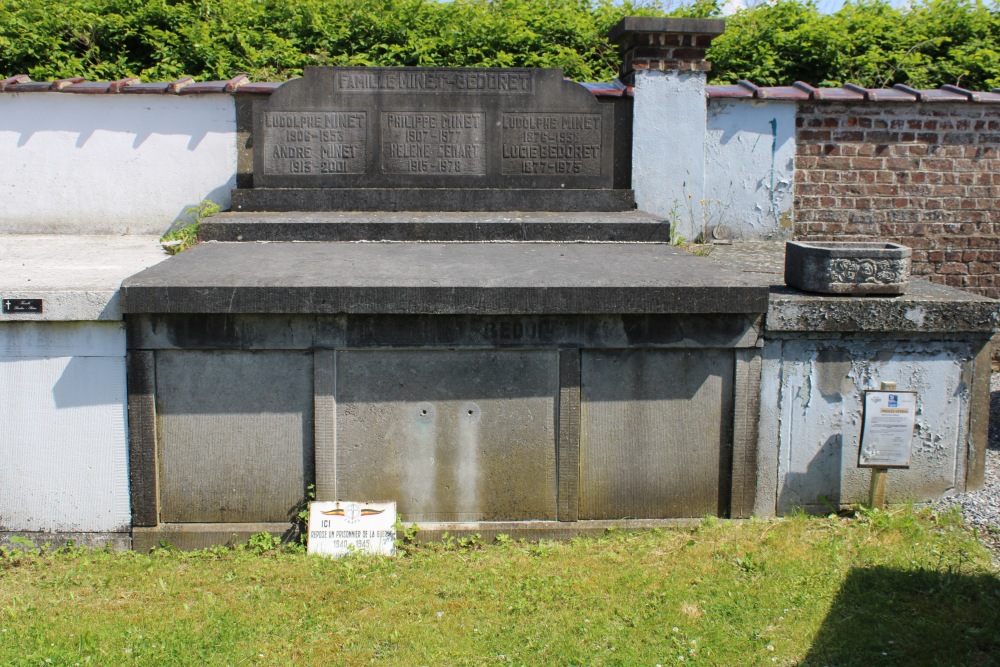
[924, 175]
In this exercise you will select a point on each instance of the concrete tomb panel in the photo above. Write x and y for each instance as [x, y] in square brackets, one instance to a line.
[235, 434]
[449, 435]
[820, 410]
[656, 433]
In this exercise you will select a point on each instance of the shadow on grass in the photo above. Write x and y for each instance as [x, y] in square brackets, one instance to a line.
[883, 616]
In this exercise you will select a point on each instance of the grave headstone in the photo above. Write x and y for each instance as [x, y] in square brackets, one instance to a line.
[378, 138]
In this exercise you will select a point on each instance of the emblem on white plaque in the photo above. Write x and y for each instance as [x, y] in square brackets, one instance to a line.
[343, 527]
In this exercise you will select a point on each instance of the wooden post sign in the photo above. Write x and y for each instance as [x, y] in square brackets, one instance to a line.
[340, 528]
[886, 435]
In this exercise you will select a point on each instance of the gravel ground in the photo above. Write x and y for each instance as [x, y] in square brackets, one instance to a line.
[982, 508]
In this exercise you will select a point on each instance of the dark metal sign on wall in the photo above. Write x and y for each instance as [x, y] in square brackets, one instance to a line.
[21, 306]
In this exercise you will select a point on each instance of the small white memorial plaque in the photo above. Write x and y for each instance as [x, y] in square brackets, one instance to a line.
[887, 429]
[342, 527]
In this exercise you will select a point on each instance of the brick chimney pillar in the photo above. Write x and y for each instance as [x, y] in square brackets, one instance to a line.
[665, 45]
[664, 60]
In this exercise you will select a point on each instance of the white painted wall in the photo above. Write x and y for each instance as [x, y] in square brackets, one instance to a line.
[700, 164]
[112, 164]
[811, 411]
[750, 167]
[668, 147]
[63, 459]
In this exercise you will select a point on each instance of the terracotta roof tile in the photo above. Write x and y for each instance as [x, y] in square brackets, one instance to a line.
[610, 89]
[15, 80]
[799, 91]
[850, 92]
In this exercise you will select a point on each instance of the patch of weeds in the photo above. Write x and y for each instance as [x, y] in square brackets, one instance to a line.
[707, 524]
[181, 238]
[260, 543]
[406, 537]
[473, 541]
[300, 514]
[447, 540]
[749, 565]
[23, 543]
[164, 547]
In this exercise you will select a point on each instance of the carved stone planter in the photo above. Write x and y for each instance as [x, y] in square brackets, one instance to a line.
[842, 267]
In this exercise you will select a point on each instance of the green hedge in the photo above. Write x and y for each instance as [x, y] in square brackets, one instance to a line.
[868, 42]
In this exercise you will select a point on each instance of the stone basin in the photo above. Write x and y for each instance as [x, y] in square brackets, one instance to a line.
[846, 267]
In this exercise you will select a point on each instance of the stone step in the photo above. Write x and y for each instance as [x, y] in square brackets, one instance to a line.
[624, 226]
[441, 279]
[432, 199]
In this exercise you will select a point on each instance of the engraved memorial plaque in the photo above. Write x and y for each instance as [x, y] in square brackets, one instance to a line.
[340, 135]
[551, 143]
[311, 142]
[433, 143]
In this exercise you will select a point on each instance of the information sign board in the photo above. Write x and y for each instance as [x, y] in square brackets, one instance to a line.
[887, 429]
[342, 527]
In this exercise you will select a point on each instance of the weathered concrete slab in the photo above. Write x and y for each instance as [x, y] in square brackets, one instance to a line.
[448, 435]
[118, 541]
[746, 426]
[443, 279]
[632, 226]
[640, 26]
[488, 531]
[925, 308]
[140, 371]
[76, 277]
[309, 332]
[820, 393]
[656, 433]
[192, 536]
[189, 536]
[235, 434]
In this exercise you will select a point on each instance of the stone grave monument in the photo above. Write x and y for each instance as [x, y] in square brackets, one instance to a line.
[436, 139]
[452, 338]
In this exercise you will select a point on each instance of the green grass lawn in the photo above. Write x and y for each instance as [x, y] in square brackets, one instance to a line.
[883, 588]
